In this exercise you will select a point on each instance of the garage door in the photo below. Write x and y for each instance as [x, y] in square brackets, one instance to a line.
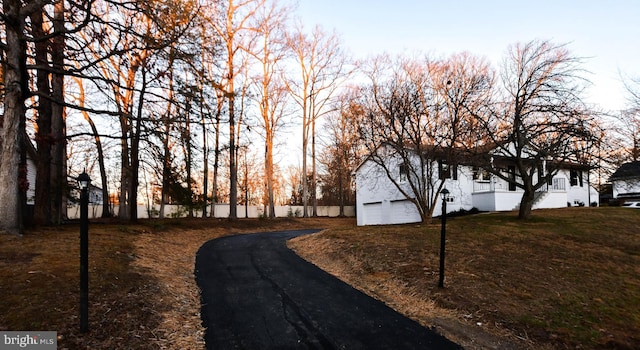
[402, 212]
[372, 213]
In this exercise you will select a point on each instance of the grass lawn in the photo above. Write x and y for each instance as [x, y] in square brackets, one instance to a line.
[142, 292]
[568, 278]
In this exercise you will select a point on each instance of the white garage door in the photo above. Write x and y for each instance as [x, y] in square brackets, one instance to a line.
[402, 212]
[372, 213]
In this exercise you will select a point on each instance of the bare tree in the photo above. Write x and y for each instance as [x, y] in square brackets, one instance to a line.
[342, 152]
[106, 210]
[629, 121]
[397, 130]
[322, 67]
[537, 119]
[135, 36]
[269, 49]
[15, 91]
[43, 135]
[25, 50]
[58, 115]
[233, 28]
[415, 121]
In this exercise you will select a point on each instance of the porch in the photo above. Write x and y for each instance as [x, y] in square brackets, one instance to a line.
[558, 184]
[499, 195]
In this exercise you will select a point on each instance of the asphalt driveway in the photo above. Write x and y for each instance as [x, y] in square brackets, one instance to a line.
[258, 294]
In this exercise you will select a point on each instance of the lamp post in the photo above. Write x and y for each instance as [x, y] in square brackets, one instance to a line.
[84, 181]
[443, 234]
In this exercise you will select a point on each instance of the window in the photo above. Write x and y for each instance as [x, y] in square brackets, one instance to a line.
[445, 171]
[481, 174]
[403, 169]
[511, 170]
[576, 178]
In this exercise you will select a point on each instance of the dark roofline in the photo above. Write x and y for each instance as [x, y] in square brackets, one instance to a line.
[627, 171]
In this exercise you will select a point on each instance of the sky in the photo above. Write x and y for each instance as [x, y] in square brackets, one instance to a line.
[605, 34]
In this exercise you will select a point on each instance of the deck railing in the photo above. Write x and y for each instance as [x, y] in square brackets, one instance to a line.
[499, 185]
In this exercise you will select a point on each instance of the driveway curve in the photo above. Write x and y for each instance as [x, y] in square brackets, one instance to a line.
[258, 294]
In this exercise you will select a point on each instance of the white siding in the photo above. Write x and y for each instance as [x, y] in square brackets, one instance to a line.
[378, 201]
[621, 187]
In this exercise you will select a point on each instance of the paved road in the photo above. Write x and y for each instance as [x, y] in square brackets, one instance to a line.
[258, 294]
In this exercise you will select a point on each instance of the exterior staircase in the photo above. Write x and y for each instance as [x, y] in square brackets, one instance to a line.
[538, 197]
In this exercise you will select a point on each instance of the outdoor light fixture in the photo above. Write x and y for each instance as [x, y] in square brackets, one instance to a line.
[84, 181]
[443, 234]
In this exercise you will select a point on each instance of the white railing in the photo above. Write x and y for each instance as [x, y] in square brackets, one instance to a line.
[481, 186]
[499, 185]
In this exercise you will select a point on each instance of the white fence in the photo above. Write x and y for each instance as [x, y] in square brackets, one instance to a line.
[219, 211]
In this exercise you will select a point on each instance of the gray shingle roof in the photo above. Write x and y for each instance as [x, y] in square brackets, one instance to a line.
[627, 170]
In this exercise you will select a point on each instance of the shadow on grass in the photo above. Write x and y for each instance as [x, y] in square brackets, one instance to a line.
[39, 284]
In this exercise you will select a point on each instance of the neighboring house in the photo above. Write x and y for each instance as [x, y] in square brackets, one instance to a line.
[379, 202]
[95, 192]
[626, 182]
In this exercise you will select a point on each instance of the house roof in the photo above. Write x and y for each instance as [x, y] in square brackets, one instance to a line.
[481, 156]
[627, 170]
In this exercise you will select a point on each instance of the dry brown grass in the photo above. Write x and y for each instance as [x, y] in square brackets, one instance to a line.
[142, 289]
[567, 278]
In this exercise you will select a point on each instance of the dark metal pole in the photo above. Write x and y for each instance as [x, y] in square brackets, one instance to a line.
[443, 234]
[84, 260]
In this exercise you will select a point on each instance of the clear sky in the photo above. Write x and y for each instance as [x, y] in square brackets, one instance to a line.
[605, 33]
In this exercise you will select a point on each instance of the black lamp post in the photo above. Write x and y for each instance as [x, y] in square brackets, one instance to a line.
[443, 234]
[84, 181]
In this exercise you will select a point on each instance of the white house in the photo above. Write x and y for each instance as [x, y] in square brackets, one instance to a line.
[626, 181]
[95, 192]
[379, 202]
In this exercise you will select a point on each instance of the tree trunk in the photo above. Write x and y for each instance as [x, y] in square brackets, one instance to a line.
[526, 203]
[43, 186]
[135, 154]
[305, 186]
[341, 192]
[166, 149]
[216, 159]
[58, 124]
[125, 176]
[205, 156]
[166, 165]
[233, 168]
[125, 165]
[314, 183]
[269, 172]
[188, 161]
[12, 123]
[106, 209]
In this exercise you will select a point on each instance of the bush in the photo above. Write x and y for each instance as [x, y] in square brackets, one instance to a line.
[153, 213]
[463, 212]
[292, 214]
